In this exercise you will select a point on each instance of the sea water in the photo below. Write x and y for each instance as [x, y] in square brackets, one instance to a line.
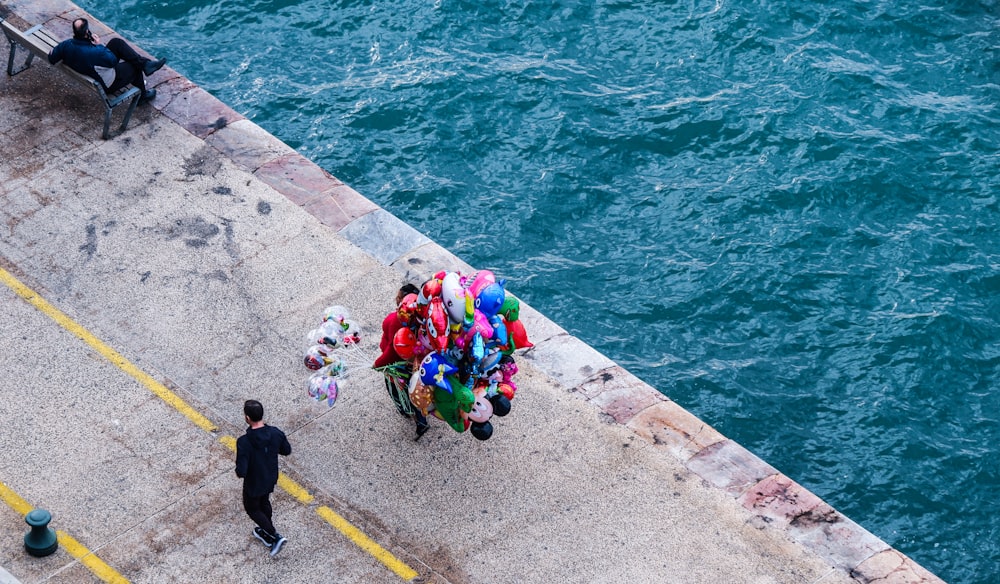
[782, 215]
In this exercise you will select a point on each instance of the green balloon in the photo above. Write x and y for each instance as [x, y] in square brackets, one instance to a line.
[511, 308]
[446, 404]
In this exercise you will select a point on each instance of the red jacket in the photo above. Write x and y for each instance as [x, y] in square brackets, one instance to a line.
[390, 325]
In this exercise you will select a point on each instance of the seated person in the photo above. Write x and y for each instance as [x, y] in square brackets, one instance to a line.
[114, 66]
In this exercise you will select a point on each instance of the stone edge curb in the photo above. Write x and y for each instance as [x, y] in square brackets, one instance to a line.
[620, 397]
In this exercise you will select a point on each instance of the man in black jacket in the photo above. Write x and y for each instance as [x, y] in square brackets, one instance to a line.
[257, 464]
[115, 65]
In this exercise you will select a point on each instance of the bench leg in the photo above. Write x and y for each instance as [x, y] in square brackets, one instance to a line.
[131, 108]
[10, 60]
[128, 116]
[107, 122]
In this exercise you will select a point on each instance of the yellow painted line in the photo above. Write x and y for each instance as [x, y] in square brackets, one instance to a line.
[110, 354]
[94, 563]
[288, 485]
[366, 543]
[14, 500]
[68, 543]
[294, 489]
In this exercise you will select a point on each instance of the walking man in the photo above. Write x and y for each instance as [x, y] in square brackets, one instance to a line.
[257, 464]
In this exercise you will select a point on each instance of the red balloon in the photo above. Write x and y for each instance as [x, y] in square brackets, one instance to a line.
[431, 289]
[506, 389]
[518, 335]
[407, 309]
[437, 324]
[404, 342]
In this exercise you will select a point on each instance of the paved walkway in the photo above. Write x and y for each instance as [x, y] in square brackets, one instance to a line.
[154, 281]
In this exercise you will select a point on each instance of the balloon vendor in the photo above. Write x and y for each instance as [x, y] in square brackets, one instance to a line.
[395, 369]
[450, 344]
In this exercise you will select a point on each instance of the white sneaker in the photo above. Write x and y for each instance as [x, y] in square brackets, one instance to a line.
[276, 546]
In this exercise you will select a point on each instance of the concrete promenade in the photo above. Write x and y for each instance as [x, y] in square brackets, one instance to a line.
[154, 281]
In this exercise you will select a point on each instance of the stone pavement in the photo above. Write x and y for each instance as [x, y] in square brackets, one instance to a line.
[156, 280]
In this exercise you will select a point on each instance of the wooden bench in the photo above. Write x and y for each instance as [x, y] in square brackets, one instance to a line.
[39, 42]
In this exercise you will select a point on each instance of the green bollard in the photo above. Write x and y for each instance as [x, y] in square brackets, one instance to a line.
[40, 541]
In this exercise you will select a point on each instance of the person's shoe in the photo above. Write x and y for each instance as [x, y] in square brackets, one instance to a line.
[151, 67]
[262, 536]
[278, 543]
[147, 96]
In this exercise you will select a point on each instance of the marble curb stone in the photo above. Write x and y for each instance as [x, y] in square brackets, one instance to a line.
[247, 144]
[418, 264]
[842, 542]
[730, 467]
[339, 207]
[567, 359]
[193, 108]
[781, 500]
[892, 567]
[539, 327]
[383, 235]
[670, 426]
[619, 394]
[296, 177]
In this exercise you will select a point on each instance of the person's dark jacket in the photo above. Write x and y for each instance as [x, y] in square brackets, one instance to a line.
[257, 459]
[82, 56]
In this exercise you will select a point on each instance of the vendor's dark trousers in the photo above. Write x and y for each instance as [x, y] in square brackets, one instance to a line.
[129, 68]
[259, 509]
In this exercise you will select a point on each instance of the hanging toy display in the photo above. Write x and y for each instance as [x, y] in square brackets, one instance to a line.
[334, 350]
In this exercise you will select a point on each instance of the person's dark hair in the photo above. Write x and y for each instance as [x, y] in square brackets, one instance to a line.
[253, 410]
[81, 29]
[408, 288]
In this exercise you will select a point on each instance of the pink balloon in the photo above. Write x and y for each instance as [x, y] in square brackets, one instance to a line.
[483, 279]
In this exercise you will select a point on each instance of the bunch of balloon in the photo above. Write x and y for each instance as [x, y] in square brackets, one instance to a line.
[334, 350]
[461, 332]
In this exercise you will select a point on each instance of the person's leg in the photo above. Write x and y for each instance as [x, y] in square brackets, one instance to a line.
[399, 397]
[132, 67]
[126, 73]
[255, 510]
[125, 52]
[422, 425]
[265, 507]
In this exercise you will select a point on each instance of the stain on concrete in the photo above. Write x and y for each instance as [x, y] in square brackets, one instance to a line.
[263, 208]
[816, 517]
[206, 161]
[221, 190]
[90, 247]
[195, 231]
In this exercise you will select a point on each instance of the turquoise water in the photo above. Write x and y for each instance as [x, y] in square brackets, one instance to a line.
[783, 215]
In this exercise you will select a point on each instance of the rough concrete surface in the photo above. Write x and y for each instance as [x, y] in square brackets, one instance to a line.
[202, 250]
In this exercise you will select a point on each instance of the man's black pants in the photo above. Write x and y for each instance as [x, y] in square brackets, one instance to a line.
[129, 67]
[259, 509]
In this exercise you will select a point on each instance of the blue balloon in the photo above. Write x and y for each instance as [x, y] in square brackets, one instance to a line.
[435, 369]
[490, 299]
[478, 350]
[499, 329]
